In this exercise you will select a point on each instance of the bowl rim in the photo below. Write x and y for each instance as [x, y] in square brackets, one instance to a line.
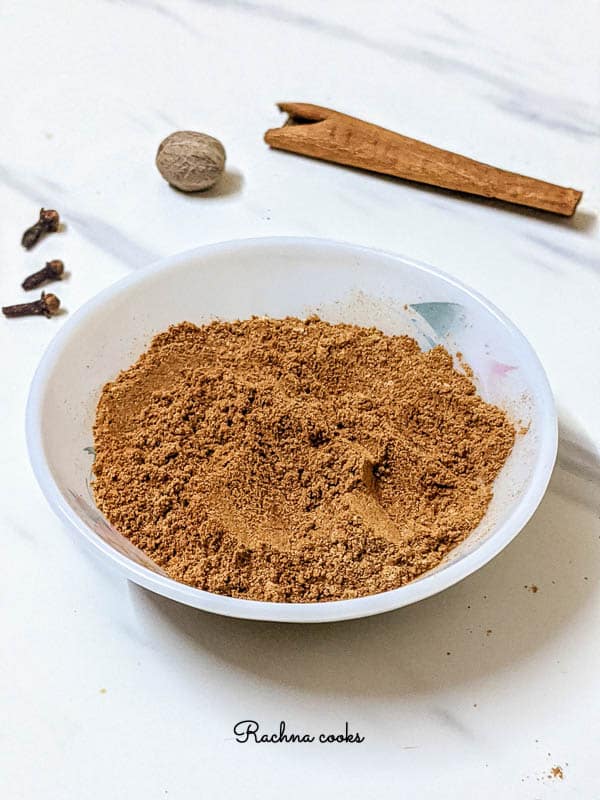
[329, 611]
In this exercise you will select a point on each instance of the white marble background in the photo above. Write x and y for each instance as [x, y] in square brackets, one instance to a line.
[108, 691]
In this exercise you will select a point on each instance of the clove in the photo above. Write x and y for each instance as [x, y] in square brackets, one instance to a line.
[53, 271]
[47, 305]
[47, 223]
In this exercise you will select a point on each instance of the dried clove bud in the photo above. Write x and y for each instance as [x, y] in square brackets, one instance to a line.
[47, 223]
[47, 305]
[53, 271]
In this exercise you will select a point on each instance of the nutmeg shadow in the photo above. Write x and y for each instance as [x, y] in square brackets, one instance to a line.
[501, 615]
[230, 183]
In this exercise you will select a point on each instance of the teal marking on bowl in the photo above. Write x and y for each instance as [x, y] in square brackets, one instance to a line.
[442, 317]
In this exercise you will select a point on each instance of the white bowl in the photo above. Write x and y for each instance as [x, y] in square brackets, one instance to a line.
[279, 277]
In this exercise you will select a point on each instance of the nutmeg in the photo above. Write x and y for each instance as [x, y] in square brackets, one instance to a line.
[191, 161]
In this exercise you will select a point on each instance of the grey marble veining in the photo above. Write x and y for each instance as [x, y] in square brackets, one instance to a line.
[555, 113]
[573, 254]
[165, 10]
[98, 231]
[548, 113]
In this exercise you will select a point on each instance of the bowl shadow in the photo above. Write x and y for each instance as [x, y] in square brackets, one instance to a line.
[511, 608]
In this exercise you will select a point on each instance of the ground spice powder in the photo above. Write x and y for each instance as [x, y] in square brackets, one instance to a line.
[295, 460]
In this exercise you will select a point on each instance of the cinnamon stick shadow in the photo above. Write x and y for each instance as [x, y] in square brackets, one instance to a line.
[583, 221]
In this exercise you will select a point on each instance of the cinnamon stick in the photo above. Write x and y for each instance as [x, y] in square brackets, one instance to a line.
[331, 136]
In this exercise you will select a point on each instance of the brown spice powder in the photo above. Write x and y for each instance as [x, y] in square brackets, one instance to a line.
[292, 460]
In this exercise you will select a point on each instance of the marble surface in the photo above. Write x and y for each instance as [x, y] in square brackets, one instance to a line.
[109, 691]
